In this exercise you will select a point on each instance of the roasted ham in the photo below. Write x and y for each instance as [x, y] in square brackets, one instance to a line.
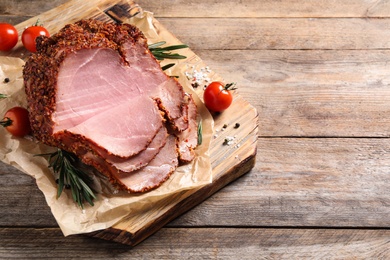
[96, 90]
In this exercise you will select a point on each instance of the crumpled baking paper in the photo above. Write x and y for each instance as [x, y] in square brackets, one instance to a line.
[109, 208]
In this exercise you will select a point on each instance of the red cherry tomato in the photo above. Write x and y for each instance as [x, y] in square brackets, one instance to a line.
[217, 96]
[8, 36]
[30, 34]
[16, 121]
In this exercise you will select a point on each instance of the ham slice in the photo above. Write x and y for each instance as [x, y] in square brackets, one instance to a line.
[95, 89]
[123, 137]
[143, 158]
[157, 171]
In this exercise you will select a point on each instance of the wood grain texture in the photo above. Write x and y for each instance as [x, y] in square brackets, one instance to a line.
[19, 9]
[317, 73]
[282, 33]
[264, 33]
[204, 243]
[331, 93]
[305, 182]
[269, 8]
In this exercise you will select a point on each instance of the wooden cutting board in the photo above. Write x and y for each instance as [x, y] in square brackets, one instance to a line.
[228, 161]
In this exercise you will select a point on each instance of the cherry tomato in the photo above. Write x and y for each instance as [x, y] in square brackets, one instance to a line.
[217, 96]
[8, 36]
[30, 34]
[16, 121]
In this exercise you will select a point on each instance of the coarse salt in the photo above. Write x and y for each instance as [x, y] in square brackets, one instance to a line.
[198, 76]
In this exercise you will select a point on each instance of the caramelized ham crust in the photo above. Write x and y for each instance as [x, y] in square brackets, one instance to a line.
[95, 89]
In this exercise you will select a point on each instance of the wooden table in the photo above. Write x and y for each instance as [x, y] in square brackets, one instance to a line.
[318, 75]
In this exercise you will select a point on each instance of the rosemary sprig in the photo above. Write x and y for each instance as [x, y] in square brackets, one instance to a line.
[3, 96]
[161, 53]
[71, 176]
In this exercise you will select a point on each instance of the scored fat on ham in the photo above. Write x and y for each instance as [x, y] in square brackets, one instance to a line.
[95, 89]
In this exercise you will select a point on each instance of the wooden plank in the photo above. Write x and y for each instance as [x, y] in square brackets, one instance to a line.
[311, 92]
[276, 9]
[28, 7]
[15, 12]
[320, 182]
[245, 8]
[13, 19]
[22, 203]
[296, 182]
[282, 33]
[203, 243]
[252, 34]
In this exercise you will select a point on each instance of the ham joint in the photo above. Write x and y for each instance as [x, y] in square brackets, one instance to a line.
[95, 89]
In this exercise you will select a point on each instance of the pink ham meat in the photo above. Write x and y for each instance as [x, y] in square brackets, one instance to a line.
[95, 89]
[122, 137]
[157, 171]
[141, 159]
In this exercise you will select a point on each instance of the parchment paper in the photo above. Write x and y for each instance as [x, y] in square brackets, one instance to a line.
[109, 208]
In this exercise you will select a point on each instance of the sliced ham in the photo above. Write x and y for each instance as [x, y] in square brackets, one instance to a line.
[155, 173]
[123, 136]
[95, 89]
[176, 112]
[143, 158]
[81, 80]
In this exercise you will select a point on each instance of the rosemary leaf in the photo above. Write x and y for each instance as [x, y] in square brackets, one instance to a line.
[86, 189]
[61, 179]
[76, 196]
[88, 197]
[71, 175]
[172, 47]
[73, 180]
[162, 56]
[168, 66]
[3, 96]
[161, 53]
[155, 45]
